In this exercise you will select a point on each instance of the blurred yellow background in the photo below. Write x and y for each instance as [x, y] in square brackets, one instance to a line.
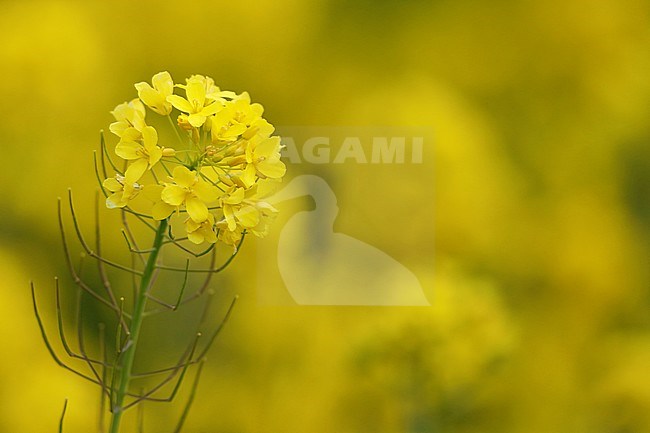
[540, 319]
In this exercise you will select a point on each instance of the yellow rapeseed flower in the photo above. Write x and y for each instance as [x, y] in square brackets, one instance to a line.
[196, 105]
[238, 118]
[218, 180]
[143, 154]
[201, 232]
[263, 158]
[212, 92]
[267, 214]
[156, 97]
[224, 127]
[227, 236]
[245, 112]
[237, 210]
[190, 190]
[122, 191]
[128, 115]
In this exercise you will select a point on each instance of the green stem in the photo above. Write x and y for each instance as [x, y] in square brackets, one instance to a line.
[128, 357]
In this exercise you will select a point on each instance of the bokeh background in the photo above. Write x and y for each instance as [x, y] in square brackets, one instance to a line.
[541, 311]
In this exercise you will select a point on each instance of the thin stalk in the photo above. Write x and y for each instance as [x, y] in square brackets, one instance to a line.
[65, 407]
[126, 363]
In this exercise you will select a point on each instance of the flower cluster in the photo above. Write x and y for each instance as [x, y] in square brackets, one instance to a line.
[222, 164]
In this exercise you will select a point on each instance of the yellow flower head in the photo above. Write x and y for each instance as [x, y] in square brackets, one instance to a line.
[225, 152]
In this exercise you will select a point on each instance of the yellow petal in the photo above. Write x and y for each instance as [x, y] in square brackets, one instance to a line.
[257, 110]
[163, 82]
[266, 208]
[120, 111]
[180, 103]
[131, 134]
[268, 147]
[112, 184]
[273, 168]
[115, 201]
[128, 150]
[196, 237]
[155, 153]
[244, 97]
[183, 176]
[135, 171]
[191, 225]
[234, 197]
[205, 191]
[250, 150]
[234, 130]
[195, 92]
[207, 230]
[173, 195]
[196, 209]
[210, 235]
[147, 94]
[138, 109]
[118, 128]
[249, 175]
[130, 192]
[161, 210]
[222, 116]
[142, 86]
[248, 216]
[211, 109]
[154, 99]
[150, 136]
[266, 188]
[230, 218]
[224, 94]
[196, 120]
[259, 127]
